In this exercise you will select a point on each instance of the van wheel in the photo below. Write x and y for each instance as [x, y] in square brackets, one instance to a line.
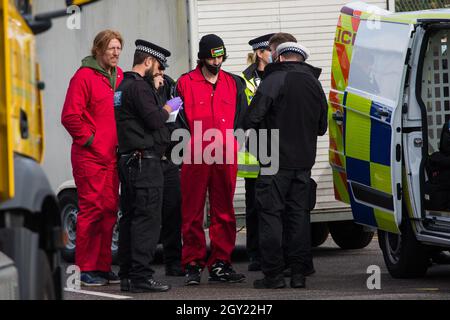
[349, 235]
[403, 255]
[115, 240]
[68, 200]
[319, 233]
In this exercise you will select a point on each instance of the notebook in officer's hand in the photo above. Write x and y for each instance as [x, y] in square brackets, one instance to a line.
[173, 116]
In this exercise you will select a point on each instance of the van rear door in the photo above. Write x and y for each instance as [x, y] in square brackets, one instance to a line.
[372, 122]
[6, 143]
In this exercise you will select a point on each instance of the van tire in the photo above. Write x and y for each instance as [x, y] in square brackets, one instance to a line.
[319, 233]
[403, 255]
[68, 200]
[349, 235]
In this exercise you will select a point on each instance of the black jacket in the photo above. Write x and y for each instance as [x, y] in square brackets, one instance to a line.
[140, 118]
[291, 99]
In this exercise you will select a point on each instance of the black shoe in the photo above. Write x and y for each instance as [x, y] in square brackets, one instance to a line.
[254, 265]
[307, 273]
[174, 270]
[223, 272]
[193, 275]
[148, 285]
[276, 282]
[442, 257]
[111, 277]
[125, 284]
[298, 281]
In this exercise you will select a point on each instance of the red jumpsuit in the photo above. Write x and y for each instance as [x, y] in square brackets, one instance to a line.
[88, 110]
[214, 109]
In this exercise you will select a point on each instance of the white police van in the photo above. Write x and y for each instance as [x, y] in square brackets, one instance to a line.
[389, 110]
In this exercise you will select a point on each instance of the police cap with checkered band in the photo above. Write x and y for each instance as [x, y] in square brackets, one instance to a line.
[155, 51]
[261, 42]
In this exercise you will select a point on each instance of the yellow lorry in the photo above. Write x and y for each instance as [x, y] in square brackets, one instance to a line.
[30, 226]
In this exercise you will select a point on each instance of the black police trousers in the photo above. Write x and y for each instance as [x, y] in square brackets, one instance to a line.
[140, 224]
[171, 214]
[282, 202]
[251, 220]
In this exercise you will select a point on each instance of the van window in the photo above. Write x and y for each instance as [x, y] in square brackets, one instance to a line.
[435, 86]
[378, 59]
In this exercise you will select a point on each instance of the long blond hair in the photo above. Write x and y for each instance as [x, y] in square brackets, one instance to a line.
[102, 41]
[252, 57]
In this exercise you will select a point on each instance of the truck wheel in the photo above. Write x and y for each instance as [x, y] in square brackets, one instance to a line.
[319, 233]
[349, 235]
[404, 256]
[68, 201]
[46, 287]
[35, 276]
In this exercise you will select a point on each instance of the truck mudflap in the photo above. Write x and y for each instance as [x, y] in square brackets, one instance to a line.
[9, 279]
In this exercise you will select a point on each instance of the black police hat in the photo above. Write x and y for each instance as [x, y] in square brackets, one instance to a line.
[211, 46]
[261, 42]
[159, 53]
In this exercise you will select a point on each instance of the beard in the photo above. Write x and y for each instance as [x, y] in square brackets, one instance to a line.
[150, 73]
[213, 69]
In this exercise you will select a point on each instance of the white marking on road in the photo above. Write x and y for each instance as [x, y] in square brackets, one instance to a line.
[98, 294]
[427, 289]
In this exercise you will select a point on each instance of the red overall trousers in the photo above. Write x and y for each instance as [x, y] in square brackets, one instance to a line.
[89, 110]
[208, 107]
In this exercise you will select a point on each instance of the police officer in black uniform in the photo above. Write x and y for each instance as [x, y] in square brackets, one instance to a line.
[291, 101]
[253, 75]
[171, 207]
[143, 138]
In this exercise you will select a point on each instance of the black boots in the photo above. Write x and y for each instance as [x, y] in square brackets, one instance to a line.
[276, 282]
[148, 285]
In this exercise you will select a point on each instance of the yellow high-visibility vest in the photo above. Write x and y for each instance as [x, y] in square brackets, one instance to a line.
[248, 165]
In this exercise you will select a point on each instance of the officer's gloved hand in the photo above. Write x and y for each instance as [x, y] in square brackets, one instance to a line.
[175, 103]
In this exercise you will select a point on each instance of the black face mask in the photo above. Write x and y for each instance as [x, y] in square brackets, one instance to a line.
[213, 68]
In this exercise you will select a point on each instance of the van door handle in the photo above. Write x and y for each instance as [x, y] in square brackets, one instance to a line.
[382, 113]
[338, 117]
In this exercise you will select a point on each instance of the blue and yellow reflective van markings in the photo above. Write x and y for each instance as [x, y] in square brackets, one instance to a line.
[368, 158]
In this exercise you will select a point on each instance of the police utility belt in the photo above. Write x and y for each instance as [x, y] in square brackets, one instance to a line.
[138, 155]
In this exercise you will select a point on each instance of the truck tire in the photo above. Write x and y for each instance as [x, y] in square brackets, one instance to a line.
[349, 235]
[403, 255]
[46, 286]
[68, 200]
[35, 276]
[319, 233]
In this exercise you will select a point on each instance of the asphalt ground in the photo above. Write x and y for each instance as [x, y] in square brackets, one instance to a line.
[340, 275]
